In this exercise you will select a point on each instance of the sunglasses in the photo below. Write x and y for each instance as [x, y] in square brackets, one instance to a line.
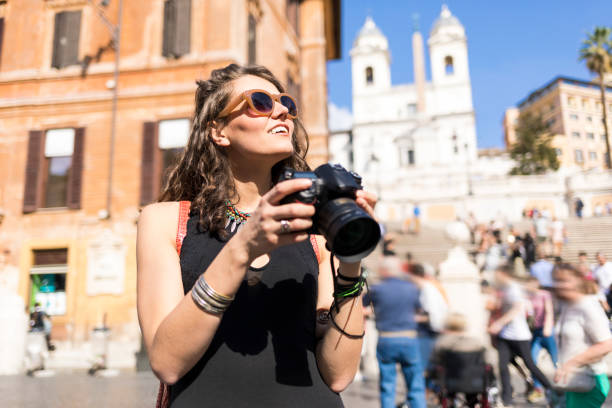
[262, 103]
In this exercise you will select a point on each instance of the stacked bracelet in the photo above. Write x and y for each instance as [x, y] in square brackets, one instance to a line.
[208, 299]
[343, 292]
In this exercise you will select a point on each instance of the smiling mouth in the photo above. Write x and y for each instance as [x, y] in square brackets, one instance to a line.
[279, 130]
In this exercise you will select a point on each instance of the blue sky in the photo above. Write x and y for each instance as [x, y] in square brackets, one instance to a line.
[514, 47]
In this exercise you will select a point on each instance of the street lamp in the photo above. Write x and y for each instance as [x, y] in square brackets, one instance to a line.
[115, 31]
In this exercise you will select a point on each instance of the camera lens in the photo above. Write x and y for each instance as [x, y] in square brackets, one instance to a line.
[350, 232]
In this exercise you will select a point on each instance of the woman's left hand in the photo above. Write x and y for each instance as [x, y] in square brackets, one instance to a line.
[367, 201]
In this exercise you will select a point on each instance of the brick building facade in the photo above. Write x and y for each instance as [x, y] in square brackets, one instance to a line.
[69, 198]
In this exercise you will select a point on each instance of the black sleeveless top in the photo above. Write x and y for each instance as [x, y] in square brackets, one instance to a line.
[263, 353]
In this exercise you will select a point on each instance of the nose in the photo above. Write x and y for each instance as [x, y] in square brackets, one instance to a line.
[279, 110]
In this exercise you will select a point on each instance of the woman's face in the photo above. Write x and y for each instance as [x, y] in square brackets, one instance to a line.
[249, 136]
[567, 286]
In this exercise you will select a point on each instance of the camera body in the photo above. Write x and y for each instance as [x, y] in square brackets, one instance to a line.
[328, 182]
[351, 233]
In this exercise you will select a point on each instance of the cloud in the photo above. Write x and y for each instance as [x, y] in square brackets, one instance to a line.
[339, 118]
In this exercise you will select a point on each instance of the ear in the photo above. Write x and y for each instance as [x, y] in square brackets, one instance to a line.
[218, 136]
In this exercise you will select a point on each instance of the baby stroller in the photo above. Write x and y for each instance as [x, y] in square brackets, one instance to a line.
[464, 379]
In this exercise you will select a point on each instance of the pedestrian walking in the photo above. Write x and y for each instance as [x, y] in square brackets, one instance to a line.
[584, 267]
[541, 324]
[584, 339]
[558, 234]
[542, 270]
[395, 302]
[512, 331]
[578, 207]
[241, 307]
[602, 271]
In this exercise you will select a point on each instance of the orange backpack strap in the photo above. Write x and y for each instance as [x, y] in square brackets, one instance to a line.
[181, 231]
[163, 395]
[315, 247]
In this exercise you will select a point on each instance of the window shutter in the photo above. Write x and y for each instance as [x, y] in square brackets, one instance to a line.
[66, 38]
[169, 29]
[73, 31]
[148, 176]
[58, 49]
[252, 39]
[1, 35]
[75, 182]
[183, 27]
[32, 173]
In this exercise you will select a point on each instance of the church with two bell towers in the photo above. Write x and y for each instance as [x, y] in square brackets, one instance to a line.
[403, 133]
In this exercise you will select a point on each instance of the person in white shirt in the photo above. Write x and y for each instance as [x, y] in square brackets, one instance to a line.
[584, 339]
[557, 229]
[512, 331]
[602, 272]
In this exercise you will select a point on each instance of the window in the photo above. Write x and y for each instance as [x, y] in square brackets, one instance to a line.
[406, 156]
[162, 145]
[593, 155]
[573, 116]
[589, 119]
[411, 108]
[369, 75]
[559, 152]
[48, 280]
[54, 169]
[585, 103]
[66, 39]
[252, 57]
[603, 137]
[590, 135]
[59, 145]
[576, 135]
[292, 11]
[571, 101]
[177, 28]
[449, 69]
[578, 156]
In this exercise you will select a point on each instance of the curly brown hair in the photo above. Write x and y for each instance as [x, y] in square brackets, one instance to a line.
[203, 173]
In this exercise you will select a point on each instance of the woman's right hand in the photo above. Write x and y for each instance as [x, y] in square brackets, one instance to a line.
[263, 231]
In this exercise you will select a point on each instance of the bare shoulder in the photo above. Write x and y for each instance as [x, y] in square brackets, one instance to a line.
[160, 218]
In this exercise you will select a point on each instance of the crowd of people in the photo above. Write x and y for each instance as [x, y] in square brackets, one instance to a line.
[536, 302]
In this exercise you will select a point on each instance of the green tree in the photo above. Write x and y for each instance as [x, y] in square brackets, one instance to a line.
[532, 150]
[596, 51]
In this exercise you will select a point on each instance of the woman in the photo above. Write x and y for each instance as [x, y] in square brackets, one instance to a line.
[236, 313]
[584, 339]
[542, 322]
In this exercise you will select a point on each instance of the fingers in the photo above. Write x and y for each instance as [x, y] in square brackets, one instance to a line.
[285, 188]
[290, 211]
[367, 201]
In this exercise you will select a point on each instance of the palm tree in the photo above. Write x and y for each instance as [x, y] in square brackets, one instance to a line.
[596, 50]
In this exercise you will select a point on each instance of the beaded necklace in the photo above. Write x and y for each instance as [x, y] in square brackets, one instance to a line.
[235, 217]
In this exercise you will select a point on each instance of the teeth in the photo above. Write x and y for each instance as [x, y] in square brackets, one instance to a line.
[278, 129]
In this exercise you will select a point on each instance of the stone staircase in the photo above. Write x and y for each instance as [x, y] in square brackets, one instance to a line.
[587, 234]
[429, 246]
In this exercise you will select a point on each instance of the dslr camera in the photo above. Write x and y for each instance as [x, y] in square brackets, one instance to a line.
[351, 233]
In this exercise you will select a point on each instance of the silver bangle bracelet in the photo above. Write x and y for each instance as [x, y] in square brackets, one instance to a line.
[201, 282]
[206, 297]
[204, 305]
